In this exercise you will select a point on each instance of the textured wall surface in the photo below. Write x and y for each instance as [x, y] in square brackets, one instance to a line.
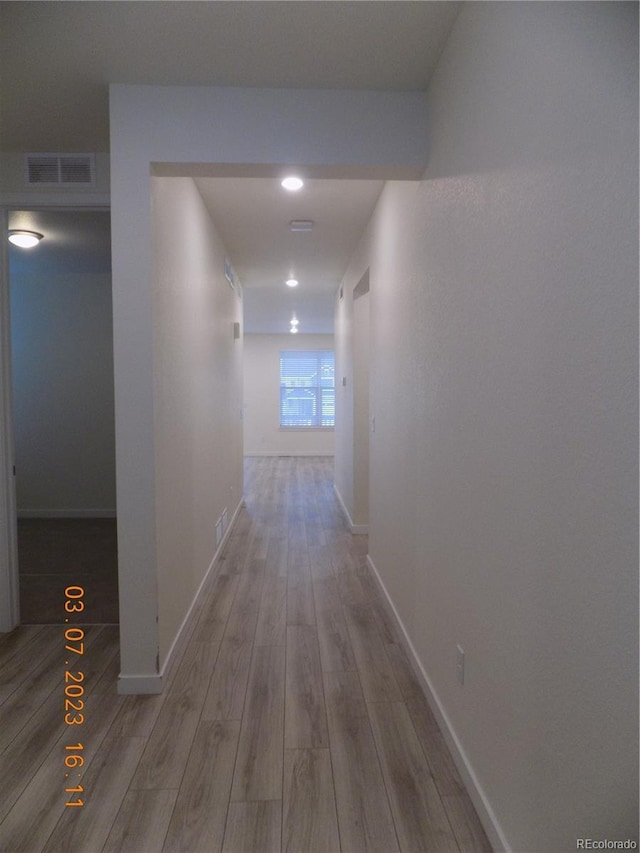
[504, 384]
[197, 397]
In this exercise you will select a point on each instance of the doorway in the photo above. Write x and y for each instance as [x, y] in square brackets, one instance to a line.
[63, 414]
[361, 407]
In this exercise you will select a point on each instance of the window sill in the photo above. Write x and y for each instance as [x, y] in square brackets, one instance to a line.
[305, 429]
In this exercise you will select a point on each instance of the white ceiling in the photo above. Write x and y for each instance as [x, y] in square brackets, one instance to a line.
[253, 216]
[57, 59]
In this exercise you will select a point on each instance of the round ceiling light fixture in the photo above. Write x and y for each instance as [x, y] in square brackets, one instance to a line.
[24, 239]
[291, 282]
[292, 183]
[294, 330]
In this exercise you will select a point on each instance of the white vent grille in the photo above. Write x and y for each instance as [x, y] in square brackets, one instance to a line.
[77, 170]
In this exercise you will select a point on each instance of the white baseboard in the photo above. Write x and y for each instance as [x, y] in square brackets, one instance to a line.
[184, 631]
[288, 453]
[133, 685]
[356, 529]
[66, 513]
[154, 682]
[485, 812]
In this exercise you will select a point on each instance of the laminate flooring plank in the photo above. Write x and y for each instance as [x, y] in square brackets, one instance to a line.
[5, 693]
[352, 591]
[24, 701]
[336, 652]
[137, 716]
[44, 794]
[443, 769]
[389, 631]
[320, 561]
[247, 601]
[305, 720]
[16, 714]
[198, 820]
[192, 679]
[258, 771]
[26, 656]
[141, 824]
[300, 607]
[406, 678]
[167, 749]
[253, 827]
[466, 824]
[364, 814]
[315, 531]
[22, 758]
[376, 673]
[277, 554]
[272, 616]
[219, 598]
[15, 641]
[228, 686]
[419, 816]
[86, 829]
[259, 544]
[309, 822]
[234, 555]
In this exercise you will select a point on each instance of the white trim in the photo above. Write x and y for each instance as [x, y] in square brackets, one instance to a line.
[9, 585]
[66, 513]
[129, 685]
[154, 682]
[485, 812]
[288, 453]
[55, 199]
[356, 529]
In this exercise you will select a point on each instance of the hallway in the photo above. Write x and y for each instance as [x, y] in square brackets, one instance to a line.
[292, 722]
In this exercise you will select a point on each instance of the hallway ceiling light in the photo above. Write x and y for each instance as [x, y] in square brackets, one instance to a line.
[294, 321]
[292, 183]
[294, 330]
[24, 239]
[292, 282]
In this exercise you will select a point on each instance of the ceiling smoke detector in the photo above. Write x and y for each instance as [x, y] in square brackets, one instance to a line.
[301, 225]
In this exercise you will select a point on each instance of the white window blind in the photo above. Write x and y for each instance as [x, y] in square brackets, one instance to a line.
[307, 389]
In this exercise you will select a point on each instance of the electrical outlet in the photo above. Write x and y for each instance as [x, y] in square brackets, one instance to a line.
[460, 664]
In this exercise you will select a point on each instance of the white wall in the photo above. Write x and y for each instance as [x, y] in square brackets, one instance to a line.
[262, 433]
[361, 416]
[62, 358]
[197, 397]
[504, 383]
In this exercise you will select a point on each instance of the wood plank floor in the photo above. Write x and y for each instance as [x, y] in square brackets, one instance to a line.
[293, 721]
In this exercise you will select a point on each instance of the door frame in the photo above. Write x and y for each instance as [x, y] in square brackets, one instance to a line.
[9, 570]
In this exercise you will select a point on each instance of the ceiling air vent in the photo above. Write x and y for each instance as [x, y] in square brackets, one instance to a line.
[78, 170]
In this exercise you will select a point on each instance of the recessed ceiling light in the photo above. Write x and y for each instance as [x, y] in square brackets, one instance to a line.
[24, 239]
[294, 330]
[292, 282]
[292, 183]
[294, 321]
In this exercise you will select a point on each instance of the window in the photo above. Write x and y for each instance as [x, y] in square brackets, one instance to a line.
[307, 389]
